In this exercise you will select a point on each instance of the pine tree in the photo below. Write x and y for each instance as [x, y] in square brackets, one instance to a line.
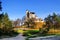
[0, 6]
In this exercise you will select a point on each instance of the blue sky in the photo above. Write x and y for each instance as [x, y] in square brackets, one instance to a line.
[42, 8]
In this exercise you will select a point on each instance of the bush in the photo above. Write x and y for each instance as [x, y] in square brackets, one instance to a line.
[9, 33]
[33, 31]
[1, 33]
[26, 34]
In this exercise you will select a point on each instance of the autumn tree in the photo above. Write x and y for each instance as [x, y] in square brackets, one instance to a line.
[30, 23]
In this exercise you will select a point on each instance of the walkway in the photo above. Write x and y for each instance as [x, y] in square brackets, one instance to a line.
[19, 37]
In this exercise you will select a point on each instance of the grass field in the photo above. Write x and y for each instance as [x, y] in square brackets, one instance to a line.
[51, 31]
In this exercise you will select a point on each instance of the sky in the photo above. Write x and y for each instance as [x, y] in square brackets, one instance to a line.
[42, 8]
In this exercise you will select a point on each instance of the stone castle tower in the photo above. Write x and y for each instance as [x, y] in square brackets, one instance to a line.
[30, 14]
[27, 14]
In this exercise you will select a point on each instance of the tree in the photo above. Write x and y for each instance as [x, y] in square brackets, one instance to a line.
[17, 22]
[1, 18]
[0, 6]
[48, 21]
[30, 23]
[5, 22]
[53, 21]
[57, 22]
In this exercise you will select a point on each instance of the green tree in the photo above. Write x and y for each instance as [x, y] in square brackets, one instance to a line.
[50, 21]
[57, 22]
[5, 23]
[6, 20]
[53, 21]
[0, 6]
[1, 18]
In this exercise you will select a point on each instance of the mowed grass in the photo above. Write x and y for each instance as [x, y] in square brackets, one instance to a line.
[20, 31]
[23, 30]
[51, 31]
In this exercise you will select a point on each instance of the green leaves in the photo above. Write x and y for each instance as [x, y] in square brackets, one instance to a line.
[0, 6]
[4, 21]
[53, 21]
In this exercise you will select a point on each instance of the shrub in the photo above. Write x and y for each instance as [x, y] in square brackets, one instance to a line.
[33, 31]
[26, 34]
[12, 33]
[9, 33]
